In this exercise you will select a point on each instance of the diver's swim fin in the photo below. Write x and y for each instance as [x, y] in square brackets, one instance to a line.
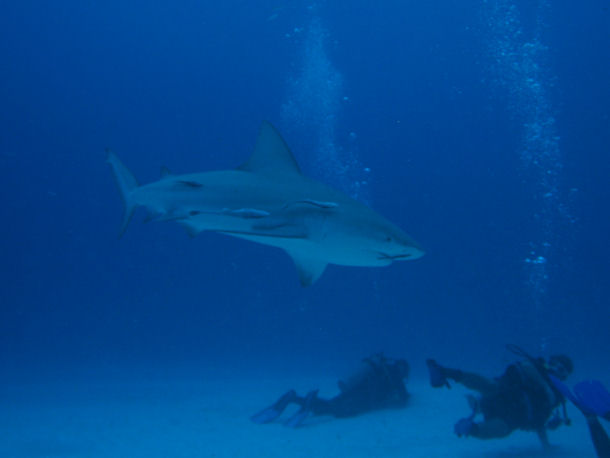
[299, 417]
[271, 413]
[437, 378]
[592, 396]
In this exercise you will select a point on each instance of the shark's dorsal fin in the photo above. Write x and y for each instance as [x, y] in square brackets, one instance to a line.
[309, 269]
[271, 155]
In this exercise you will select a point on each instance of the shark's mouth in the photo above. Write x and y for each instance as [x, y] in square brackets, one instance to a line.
[394, 257]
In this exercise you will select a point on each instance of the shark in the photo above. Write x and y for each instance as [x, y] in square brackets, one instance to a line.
[268, 200]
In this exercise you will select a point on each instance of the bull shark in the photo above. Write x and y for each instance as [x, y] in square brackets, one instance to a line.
[268, 200]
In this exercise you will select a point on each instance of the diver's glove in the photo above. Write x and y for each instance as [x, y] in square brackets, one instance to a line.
[463, 427]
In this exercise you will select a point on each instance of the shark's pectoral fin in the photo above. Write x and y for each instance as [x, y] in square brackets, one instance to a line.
[309, 269]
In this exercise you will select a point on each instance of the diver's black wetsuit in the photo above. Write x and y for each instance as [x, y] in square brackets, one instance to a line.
[519, 399]
[378, 385]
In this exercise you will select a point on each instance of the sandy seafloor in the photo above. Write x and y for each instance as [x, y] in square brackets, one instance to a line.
[184, 414]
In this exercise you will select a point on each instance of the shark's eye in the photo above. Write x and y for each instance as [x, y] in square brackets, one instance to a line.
[388, 239]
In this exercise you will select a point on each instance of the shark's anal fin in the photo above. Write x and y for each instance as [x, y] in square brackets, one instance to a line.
[309, 269]
[191, 229]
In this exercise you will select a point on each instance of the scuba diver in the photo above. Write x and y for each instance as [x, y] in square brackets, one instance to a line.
[524, 397]
[593, 400]
[378, 384]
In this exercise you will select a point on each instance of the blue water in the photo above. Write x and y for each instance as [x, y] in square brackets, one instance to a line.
[482, 128]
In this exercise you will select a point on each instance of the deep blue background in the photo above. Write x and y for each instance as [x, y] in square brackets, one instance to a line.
[186, 85]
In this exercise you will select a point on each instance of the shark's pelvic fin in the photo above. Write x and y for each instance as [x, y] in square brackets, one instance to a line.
[126, 183]
[309, 269]
[271, 155]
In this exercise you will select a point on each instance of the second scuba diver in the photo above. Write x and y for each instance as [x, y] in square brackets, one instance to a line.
[378, 385]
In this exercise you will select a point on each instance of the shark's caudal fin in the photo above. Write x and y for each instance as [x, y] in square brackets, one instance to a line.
[126, 183]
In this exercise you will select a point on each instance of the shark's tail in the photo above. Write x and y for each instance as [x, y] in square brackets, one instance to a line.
[126, 183]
